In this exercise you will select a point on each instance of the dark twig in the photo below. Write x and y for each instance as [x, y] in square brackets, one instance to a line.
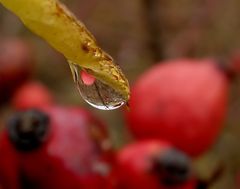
[153, 26]
[214, 177]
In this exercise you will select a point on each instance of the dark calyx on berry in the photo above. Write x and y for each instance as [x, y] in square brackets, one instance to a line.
[226, 68]
[27, 130]
[173, 167]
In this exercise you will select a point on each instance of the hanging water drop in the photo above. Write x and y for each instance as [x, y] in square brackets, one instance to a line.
[95, 92]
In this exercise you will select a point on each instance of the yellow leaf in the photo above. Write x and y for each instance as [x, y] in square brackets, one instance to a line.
[60, 28]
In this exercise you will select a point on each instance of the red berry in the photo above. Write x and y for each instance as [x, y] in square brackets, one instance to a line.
[9, 178]
[237, 180]
[31, 95]
[15, 65]
[55, 148]
[153, 165]
[182, 101]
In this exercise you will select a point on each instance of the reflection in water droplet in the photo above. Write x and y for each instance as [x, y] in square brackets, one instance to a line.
[87, 78]
[94, 92]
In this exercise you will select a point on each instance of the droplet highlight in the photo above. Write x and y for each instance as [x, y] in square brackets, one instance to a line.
[95, 92]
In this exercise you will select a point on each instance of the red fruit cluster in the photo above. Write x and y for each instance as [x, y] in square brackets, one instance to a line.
[56, 147]
[47, 146]
[53, 146]
[182, 101]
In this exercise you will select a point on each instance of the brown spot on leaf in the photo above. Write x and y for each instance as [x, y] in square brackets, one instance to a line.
[85, 48]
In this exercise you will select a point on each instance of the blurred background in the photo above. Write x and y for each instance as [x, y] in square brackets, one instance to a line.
[138, 34]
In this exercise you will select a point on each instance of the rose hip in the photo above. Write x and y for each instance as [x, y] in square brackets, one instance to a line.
[16, 61]
[153, 164]
[182, 101]
[32, 94]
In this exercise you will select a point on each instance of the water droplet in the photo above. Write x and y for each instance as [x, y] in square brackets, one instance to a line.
[95, 92]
